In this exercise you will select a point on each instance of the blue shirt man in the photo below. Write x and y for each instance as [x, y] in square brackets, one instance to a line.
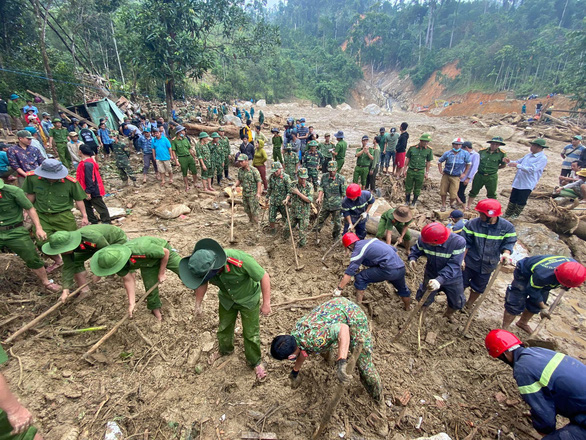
[146, 144]
[162, 147]
[456, 162]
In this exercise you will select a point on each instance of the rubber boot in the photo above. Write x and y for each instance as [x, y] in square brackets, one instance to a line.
[519, 209]
[407, 198]
[511, 208]
[414, 200]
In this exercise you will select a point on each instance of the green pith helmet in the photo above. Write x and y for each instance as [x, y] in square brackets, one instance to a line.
[425, 137]
[497, 140]
[313, 143]
[215, 135]
[207, 256]
[203, 135]
[110, 260]
[56, 120]
[302, 172]
[276, 166]
[540, 142]
[332, 165]
[241, 157]
[61, 242]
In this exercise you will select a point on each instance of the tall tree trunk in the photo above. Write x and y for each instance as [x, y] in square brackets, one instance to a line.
[563, 13]
[454, 23]
[169, 86]
[42, 24]
[117, 53]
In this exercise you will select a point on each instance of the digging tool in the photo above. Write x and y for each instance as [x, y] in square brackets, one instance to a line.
[309, 298]
[45, 314]
[413, 314]
[553, 306]
[333, 403]
[480, 300]
[117, 326]
[232, 220]
[317, 240]
[297, 267]
[339, 240]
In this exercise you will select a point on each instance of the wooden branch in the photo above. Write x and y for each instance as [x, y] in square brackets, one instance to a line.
[65, 110]
[296, 300]
[412, 315]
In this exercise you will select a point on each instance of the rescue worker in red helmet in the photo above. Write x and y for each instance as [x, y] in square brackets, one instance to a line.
[443, 271]
[533, 278]
[550, 383]
[355, 209]
[489, 239]
[382, 262]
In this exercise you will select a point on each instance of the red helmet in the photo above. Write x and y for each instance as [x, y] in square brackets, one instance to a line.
[353, 190]
[570, 273]
[348, 238]
[499, 341]
[434, 233]
[489, 207]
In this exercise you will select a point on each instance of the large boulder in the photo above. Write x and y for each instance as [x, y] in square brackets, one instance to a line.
[372, 109]
[538, 239]
[231, 119]
[261, 103]
[344, 107]
[504, 131]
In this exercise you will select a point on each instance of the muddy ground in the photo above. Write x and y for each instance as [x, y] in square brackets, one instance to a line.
[454, 385]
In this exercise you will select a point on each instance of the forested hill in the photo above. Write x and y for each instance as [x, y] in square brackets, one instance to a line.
[308, 49]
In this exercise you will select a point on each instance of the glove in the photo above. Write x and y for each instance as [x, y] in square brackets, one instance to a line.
[343, 377]
[545, 314]
[337, 292]
[412, 264]
[363, 216]
[434, 284]
[294, 379]
[506, 259]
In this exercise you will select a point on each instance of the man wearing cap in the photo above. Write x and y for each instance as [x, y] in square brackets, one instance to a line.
[326, 148]
[302, 135]
[416, 170]
[456, 221]
[152, 255]
[468, 176]
[491, 160]
[24, 158]
[225, 147]
[336, 322]
[398, 218]
[489, 240]
[364, 160]
[443, 271]
[311, 161]
[279, 187]
[14, 235]
[290, 161]
[218, 156]
[301, 195]
[122, 155]
[576, 189]
[162, 153]
[382, 263]
[90, 179]
[457, 164]
[46, 124]
[388, 150]
[241, 282]
[88, 137]
[355, 208]
[58, 142]
[76, 247]
[184, 156]
[5, 122]
[14, 108]
[332, 190]
[36, 141]
[277, 142]
[571, 153]
[251, 182]
[529, 170]
[73, 147]
[533, 279]
[339, 153]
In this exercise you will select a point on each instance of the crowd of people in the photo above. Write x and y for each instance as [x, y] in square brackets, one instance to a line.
[461, 256]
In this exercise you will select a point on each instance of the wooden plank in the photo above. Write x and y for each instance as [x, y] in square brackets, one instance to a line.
[65, 110]
[259, 436]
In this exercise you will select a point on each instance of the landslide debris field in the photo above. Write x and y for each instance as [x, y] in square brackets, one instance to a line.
[156, 378]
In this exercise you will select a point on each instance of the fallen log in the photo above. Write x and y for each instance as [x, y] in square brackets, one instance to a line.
[231, 131]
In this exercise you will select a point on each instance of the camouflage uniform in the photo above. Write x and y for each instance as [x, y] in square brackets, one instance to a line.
[312, 161]
[300, 210]
[248, 180]
[225, 147]
[122, 163]
[203, 152]
[279, 187]
[217, 155]
[290, 161]
[334, 192]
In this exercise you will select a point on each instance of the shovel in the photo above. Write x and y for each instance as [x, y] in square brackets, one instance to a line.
[232, 220]
[297, 267]
[350, 229]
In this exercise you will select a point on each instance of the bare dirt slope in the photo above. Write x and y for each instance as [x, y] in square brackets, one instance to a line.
[454, 385]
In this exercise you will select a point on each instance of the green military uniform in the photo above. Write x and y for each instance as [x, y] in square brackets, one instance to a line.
[182, 148]
[278, 189]
[334, 192]
[324, 149]
[122, 163]
[13, 234]
[5, 426]
[248, 180]
[388, 222]
[340, 151]
[239, 284]
[312, 161]
[418, 158]
[300, 210]
[59, 136]
[363, 164]
[14, 109]
[277, 142]
[93, 238]
[147, 253]
[217, 154]
[487, 174]
[54, 201]
[225, 146]
[291, 159]
[204, 153]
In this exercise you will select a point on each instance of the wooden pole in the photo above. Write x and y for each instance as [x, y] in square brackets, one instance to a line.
[117, 326]
[296, 300]
[333, 403]
[65, 110]
[476, 307]
[45, 314]
[297, 267]
[412, 315]
[551, 309]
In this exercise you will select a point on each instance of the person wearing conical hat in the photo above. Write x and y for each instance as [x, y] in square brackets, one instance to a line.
[301, 196]
[244, 288]
[75, 247]
[279, 187]
[152, 255]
